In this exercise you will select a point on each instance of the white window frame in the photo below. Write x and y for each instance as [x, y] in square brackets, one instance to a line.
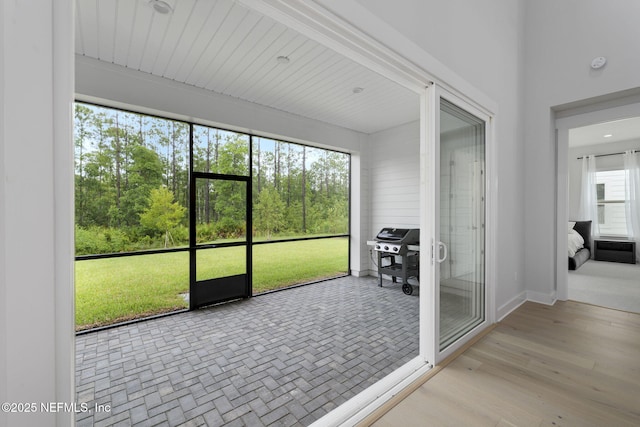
[605, 202]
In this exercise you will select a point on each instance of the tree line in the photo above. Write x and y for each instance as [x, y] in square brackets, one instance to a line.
[132, 184]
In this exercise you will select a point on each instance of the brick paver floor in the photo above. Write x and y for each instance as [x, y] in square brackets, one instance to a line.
[280, 359]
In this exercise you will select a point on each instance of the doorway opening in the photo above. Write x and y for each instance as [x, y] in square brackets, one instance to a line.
[593, 203]
[417, 85]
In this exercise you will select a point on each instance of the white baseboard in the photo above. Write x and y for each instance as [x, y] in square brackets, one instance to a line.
[505, 309]
[515, 302]
[363, 273]
[542, 298]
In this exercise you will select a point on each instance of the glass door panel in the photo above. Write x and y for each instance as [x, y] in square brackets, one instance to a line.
[220, 246]
[461, 229]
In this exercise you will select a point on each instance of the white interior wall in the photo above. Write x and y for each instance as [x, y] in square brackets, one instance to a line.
[481, 44]
[602, 163]
[562, 37]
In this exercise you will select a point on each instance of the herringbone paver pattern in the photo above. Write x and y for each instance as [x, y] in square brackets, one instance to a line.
[281, 359]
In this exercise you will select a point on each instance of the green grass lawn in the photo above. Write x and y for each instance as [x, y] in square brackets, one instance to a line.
[117, 289]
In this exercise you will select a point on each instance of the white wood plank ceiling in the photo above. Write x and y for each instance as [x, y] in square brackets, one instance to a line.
[222, 46]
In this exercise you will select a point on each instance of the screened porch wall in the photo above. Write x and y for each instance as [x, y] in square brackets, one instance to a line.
[109, 84]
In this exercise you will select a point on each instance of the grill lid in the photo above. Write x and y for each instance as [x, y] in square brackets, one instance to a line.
[408, 236]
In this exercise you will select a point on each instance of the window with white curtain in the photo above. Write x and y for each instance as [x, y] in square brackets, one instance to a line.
[611, 202]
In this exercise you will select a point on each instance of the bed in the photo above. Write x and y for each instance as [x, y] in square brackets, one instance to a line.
[579, 243]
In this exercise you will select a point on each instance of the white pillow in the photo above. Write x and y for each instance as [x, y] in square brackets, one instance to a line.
[571, 224]
[575, 243]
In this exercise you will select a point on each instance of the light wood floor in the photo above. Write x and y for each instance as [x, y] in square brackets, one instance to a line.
[570, 364]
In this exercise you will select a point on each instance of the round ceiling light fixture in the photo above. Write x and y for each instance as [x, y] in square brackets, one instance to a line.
[598, 62]
[358, 90]
[161, 6]
[283, 59]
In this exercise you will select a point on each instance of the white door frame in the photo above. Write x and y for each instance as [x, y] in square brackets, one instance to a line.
[360, 406]
[563, 125]
[490, 217]
[335, 32]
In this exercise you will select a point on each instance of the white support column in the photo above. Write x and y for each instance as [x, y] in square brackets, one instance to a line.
[359, 214]
[64, 203]
[36, 221]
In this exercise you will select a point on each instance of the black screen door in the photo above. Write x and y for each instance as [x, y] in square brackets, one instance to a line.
[220, 238]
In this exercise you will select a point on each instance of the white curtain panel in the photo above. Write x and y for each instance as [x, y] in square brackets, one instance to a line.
[589, 195]
[632, 202]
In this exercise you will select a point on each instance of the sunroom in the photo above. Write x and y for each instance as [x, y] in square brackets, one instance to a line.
[226, 145]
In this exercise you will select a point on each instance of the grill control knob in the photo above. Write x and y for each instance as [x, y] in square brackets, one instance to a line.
[395, 248]
[386, 248]
[378, 247]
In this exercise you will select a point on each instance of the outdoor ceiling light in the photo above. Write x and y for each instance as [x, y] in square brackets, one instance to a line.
[161, 6]
[607, 135]
[357, 90]
[283, 59]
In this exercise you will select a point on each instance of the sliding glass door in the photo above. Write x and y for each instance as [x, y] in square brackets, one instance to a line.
[459, 251]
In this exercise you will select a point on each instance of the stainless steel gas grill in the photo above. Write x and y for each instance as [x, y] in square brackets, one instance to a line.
[398, 253]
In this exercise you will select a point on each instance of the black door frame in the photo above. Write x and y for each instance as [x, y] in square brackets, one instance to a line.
[212, 291]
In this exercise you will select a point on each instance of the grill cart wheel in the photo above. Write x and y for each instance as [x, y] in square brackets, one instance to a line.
[407, 289]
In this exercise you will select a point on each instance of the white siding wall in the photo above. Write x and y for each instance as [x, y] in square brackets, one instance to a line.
[394, 178]
[461, 207]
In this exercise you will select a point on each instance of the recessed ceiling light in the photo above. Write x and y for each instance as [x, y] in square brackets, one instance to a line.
[357, 90]
[161, 6]
[608, 135]
[283, 59]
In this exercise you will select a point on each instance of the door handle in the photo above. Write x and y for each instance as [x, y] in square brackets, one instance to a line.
[441, 245]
